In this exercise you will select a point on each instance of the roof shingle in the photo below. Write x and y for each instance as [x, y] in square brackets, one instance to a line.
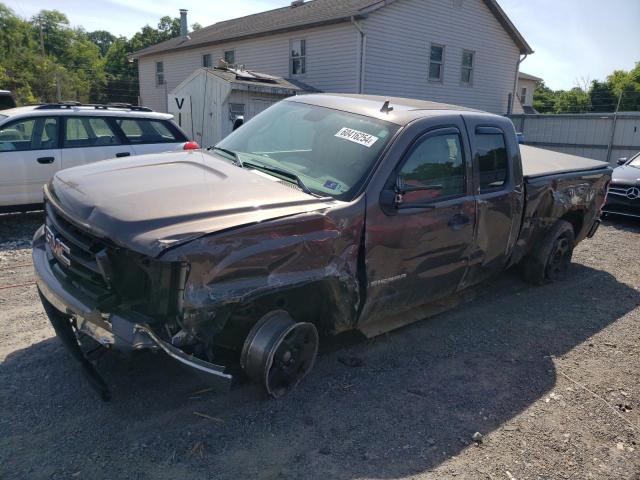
[309, 14]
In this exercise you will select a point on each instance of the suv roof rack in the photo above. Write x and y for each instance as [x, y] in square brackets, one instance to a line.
[97, 106]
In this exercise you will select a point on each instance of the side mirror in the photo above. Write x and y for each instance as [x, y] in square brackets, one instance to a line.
[238, 122]
[622, 161]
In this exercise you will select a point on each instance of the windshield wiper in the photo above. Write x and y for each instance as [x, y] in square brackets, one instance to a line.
[282, 172]
[231, 153]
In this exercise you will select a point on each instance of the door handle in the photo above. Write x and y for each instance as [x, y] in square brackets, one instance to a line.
[458, 221]
[123, 154]
[45, 160]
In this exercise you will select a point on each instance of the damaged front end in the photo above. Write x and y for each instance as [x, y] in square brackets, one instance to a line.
[121, 299]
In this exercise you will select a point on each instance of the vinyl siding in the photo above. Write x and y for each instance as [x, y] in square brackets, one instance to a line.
[332, 61]
[398, 44]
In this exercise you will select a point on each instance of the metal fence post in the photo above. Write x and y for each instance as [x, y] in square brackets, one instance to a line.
[614, 121]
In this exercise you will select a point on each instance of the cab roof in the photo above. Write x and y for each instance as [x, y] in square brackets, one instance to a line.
[400, 111]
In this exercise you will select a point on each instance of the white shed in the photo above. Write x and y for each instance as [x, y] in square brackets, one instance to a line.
[208, 102]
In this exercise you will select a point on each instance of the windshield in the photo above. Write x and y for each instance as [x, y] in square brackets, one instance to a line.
[330, 151]
[635, 161]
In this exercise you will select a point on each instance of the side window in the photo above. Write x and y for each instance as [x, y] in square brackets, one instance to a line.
[230, 57]
[147, 131]
[159, 73]
[88, 132]
[493, 161]
[435, 162]
[206, 60]
[298, 57]
[436, 63]
[32, 134]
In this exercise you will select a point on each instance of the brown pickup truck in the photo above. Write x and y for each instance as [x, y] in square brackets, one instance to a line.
[324, 214]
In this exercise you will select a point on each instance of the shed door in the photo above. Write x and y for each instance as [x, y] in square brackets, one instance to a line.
[258, 105]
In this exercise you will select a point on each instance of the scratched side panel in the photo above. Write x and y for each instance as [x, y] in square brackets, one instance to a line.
[306, 264]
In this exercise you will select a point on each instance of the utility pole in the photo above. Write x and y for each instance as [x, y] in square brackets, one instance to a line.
[41, 35]
[613, 128]
[58, 89]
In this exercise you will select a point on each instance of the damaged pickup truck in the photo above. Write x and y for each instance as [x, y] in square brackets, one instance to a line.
[323, 214]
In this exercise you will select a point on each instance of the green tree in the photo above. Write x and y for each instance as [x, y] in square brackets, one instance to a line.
[575, 100]
[544, 99]
[102, 39]
[603, 99]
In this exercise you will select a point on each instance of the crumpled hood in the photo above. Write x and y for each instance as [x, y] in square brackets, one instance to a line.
[627, 175]
[152, 202]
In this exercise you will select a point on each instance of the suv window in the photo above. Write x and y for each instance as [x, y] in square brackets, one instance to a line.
[435, 161]
[89, 132]
[493, 161]
[30, 134]
[139, 130]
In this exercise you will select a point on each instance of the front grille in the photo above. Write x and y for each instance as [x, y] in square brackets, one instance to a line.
[622, 191]
[80, 265]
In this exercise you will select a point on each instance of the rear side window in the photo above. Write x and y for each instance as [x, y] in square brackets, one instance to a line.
[493, 161]
[89, 132]
[436, 162]
[31, 134]
[147, 131]
[6, 101]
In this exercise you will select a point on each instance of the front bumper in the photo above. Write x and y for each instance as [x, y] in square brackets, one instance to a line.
[118, 330]
[620, 205]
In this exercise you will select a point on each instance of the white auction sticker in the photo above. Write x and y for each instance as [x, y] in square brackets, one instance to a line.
[357, 137]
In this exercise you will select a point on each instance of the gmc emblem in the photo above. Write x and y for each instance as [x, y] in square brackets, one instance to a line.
[58, 249]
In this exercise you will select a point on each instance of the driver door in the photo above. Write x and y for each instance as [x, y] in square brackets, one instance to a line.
[418, 245]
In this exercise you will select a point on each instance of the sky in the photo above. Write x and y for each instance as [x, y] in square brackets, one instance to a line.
[575, 41]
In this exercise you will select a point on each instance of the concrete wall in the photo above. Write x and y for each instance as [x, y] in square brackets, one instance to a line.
[585, 135]
[399, 39]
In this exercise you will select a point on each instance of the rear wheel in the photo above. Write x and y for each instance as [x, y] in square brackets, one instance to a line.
[279, 352]
[550, 260]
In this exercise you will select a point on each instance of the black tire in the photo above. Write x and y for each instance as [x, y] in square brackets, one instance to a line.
[550, 260]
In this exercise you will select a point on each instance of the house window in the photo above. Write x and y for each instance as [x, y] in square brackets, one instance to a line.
[436, 63]
[523, 95]
[298, 61]
[230, 57]
[159, 73]
[206, 60]
[466, 74]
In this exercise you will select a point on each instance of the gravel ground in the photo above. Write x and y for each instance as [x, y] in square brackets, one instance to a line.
[549, 376]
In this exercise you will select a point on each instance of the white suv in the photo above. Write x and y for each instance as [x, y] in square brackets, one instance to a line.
[37, 141]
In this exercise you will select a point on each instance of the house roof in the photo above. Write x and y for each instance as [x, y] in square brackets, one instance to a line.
[252, 80]
[526, 76]
[309, 14]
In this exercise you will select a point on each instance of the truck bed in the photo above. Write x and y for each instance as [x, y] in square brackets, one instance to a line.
[538, 162]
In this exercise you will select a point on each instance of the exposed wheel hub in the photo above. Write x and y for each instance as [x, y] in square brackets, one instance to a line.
[559, 259]
[279, 352]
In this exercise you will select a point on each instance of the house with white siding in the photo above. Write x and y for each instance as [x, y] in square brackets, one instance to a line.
[465, 52]
[527, 85]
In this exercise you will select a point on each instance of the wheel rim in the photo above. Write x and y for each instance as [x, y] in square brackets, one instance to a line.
[278, 352]
[559, 258]
[293, 357]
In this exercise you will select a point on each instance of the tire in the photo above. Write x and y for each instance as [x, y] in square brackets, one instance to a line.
[550, 260]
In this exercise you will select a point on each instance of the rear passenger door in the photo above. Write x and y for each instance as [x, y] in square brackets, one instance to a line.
[90, 139]
[151, 136]
[29, 157]
[499, 197]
